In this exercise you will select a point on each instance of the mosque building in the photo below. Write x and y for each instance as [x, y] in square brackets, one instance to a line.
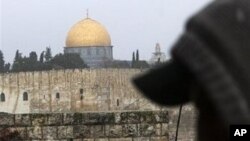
[91, 41]
[158, 56]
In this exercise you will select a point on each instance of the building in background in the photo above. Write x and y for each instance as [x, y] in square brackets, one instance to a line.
[158, 56]
[91, 41]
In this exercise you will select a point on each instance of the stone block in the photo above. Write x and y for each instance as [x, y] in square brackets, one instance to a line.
[6, 119]
[117, 116]
[147, 130]
[77, 139]
[82, 131]
[147, 117]
[72, 119]
[55, 119]
[164, 117]
[22, 120]
[94, 118]
[65, 132]
[165, 129]
[130, 130]
[171, 136]
[133, 117]
[38, 119]
[109, 118]
[122, 117]
[113, 131]
[101, 139]
[21, 131]
[77, 118]
[142, 139]
[50, 132]
[163, 138]
[100, 118]
[34, 132]
[88, 139]
[68, 118]
[158, 129]
[98, 131]
[120, 139]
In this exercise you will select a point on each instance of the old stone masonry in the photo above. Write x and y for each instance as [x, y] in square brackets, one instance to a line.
[86, 105]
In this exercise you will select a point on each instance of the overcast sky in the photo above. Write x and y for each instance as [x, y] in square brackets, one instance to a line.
[31, 25]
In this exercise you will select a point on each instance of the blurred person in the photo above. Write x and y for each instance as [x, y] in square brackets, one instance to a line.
[210, 66]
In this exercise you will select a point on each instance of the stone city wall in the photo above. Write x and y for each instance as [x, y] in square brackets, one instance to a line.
[78, 90]
[86, 93]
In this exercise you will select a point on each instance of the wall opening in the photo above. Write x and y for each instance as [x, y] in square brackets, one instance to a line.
[117, 102]
[81, 97]
[25, 96]
[2, 97]
[81, 91]
[57, 95]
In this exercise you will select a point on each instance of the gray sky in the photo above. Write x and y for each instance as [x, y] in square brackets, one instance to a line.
[31, 25]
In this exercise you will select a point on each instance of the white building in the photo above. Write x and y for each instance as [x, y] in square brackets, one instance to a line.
[158, 56]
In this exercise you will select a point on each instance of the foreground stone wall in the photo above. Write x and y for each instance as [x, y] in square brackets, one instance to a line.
[187, 127]
[123, 126]
[103, 126]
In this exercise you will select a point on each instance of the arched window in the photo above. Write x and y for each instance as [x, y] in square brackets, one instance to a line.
[2, 97]
[25, 96]
[57, 95]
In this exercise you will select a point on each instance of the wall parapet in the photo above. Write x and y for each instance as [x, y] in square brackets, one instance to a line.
[128, 126]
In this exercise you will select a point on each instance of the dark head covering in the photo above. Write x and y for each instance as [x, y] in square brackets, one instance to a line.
[213, 54]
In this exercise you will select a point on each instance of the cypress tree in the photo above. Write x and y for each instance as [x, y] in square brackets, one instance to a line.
[31, 62]
[1, 62]
[7, 67]
[133, 59]
[41, 57]
[17, 61]
[48, 54]
[137, 56]
[33, 57]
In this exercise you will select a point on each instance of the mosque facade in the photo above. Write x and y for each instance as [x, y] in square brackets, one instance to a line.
[91, 41]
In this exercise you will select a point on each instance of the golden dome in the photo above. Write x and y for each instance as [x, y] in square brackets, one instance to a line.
[88, 32]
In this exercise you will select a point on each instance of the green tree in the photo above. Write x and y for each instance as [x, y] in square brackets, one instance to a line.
[31, 63]
[17, 62]
[67, 61]
[133, 60]
[41, 57]
[7, 67]
[48, 54]
[137, 55]
[1, 62]
[33, 57]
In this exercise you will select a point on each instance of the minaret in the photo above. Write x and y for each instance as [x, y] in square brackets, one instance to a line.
[157, 56]
[87, 13]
